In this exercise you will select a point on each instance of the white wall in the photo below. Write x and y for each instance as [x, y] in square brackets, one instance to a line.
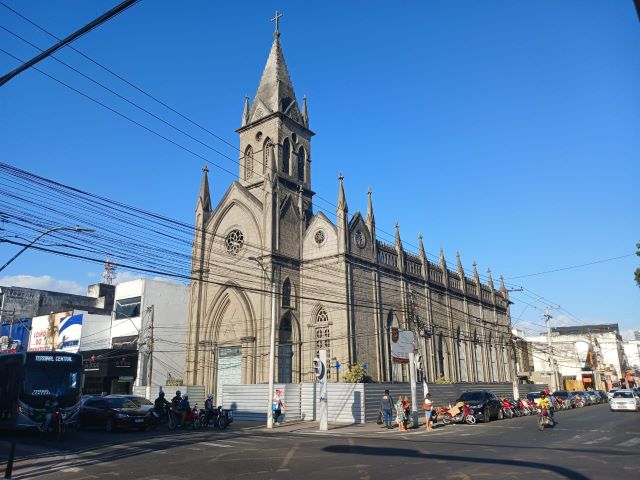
[125, 327]
[96, 331]
[632, 351]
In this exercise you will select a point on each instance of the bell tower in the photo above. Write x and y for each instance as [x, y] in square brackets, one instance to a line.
[275, 139]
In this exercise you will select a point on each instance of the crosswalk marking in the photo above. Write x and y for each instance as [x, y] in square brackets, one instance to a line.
[598, 440]
[630, 443]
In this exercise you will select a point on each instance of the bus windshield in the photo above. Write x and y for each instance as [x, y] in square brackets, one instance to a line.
[59, 377]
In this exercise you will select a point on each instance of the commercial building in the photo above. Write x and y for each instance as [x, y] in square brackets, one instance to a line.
[581, 357]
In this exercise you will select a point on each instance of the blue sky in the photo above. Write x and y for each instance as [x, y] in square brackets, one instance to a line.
[505, 130]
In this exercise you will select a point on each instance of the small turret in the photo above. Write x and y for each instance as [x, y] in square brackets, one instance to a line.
[245, 111]
[489, 279]
[460, 269]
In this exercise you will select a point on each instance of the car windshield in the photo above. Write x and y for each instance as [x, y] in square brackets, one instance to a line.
[471, 397]
[121, 403]
[51, 379]
[623, 395]
[141, 401]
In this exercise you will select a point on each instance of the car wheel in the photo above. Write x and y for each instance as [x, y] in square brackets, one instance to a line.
[486, 414]
[500, 414]
[110, 425]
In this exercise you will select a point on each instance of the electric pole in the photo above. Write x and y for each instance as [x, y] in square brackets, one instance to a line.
[149, 342]
[547, 319]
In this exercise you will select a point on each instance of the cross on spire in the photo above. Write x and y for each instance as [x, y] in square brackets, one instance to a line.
[275, 19]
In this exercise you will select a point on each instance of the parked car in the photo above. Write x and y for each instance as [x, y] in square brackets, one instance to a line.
[603, 396]
[483, 404]
[625, 400]
[610, 394]
[595, 398]
[140, 401]
[112, 412]
[567, 397]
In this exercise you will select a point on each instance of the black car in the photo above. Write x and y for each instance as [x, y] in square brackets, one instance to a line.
[112, 412]
[483, 404]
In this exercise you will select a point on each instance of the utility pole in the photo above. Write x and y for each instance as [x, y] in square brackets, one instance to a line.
[514, 369]
[547, 318]
[150, 353]
[414, 395]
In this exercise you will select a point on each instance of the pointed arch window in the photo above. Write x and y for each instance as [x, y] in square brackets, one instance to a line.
[286, 293]
[462, 356]
[248, 163]
[302, 156]
[322, 330]
[477, 353]
[286, 155]
[266, 154]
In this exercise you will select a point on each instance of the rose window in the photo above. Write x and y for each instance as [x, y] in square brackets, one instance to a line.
[234, 242]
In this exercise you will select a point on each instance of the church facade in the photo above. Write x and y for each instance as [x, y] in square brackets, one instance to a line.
[338, 287]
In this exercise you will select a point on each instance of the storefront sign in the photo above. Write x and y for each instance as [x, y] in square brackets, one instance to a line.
[57, 331]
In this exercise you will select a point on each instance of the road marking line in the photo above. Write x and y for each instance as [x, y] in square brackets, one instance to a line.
[288, 457]
[215, 444]
[630, 443]
[597, 440]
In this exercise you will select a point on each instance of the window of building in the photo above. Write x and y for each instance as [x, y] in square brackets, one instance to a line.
[266, 153]
[234, 242]
[462, 357]
[286, 293]
[286, 155]
[301, 161]
[128, 307]
[323, 334]
[248, 163]
[477, 352]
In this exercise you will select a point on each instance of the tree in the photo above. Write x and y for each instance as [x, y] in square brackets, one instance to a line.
[638, 269]
[355, 374]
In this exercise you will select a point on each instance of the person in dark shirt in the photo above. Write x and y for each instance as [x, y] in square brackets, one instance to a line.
[160, 403]
[386, 406]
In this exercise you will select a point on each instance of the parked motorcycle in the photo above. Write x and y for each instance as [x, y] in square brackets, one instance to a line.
[166, 416]
[191, 418]
[464, 415]
[507, 408]
[544, 420]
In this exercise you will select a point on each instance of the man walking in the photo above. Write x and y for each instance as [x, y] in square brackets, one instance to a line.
[386, 406]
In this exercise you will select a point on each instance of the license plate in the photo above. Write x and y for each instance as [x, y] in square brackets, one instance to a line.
[139, 420]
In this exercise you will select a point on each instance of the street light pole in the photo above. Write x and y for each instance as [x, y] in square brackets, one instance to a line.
[272, 343]
[32, 242]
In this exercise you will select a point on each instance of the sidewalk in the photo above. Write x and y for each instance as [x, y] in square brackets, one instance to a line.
[313, 427]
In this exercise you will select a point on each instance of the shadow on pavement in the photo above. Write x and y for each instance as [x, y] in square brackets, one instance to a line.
[405, 452]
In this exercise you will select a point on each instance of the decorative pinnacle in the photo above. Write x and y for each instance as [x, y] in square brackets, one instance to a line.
[205, 168]
[340, 177]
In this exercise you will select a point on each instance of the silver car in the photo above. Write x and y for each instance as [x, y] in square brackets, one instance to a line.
[625, 400]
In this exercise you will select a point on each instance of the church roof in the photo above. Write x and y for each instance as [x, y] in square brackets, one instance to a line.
[275, 91]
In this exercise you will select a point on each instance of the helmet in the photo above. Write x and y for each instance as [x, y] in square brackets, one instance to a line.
[178, 393]
[161, 394]
[210, 396]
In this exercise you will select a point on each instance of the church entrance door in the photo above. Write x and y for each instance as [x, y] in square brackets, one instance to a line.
[229, 369]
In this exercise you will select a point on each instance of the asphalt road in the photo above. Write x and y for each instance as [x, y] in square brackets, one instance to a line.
[588, 443]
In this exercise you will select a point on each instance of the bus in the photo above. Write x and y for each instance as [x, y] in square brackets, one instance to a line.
[28, 379]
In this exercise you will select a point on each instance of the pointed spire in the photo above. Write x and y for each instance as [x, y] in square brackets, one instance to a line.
[475, 272]
[204, 198]
[398, 241]
[421, 246]
[443, 261]
[459, 261]
[305, 112]
[370, 217]
[275, 91]
[489, 279]
[342, 198]
[503, 289]
[245, 111]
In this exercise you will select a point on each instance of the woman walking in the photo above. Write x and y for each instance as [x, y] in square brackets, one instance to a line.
[428, 410]
[400, 415]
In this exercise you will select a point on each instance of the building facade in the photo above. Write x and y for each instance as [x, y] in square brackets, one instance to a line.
[338, 287]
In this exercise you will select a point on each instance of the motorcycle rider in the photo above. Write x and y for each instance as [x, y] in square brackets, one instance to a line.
[50, 406]
[184, 408]
[160, 403]
[208, 408]
[546, 403]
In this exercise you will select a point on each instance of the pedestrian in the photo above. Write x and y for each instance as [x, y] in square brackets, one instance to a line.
[427, 406]
[407, 410]
[277, 405]
[386, 407]
[400, 416]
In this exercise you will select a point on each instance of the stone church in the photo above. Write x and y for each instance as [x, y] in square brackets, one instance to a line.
[338, 287]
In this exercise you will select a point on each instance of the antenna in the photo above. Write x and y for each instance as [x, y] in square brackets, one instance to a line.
[109, 273]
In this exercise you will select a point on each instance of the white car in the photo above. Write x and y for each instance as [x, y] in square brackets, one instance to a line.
[625, 400]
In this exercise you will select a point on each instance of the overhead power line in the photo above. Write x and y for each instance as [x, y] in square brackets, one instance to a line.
[75, 35]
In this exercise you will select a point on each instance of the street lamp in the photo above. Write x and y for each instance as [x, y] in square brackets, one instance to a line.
[51, 230]
[272, 343]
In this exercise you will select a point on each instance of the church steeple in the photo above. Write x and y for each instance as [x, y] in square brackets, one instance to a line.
[305, 112]
[370, 218]
[204, 198]
[342, 217]
[275, 91]
[342, 198]
[245, 111]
